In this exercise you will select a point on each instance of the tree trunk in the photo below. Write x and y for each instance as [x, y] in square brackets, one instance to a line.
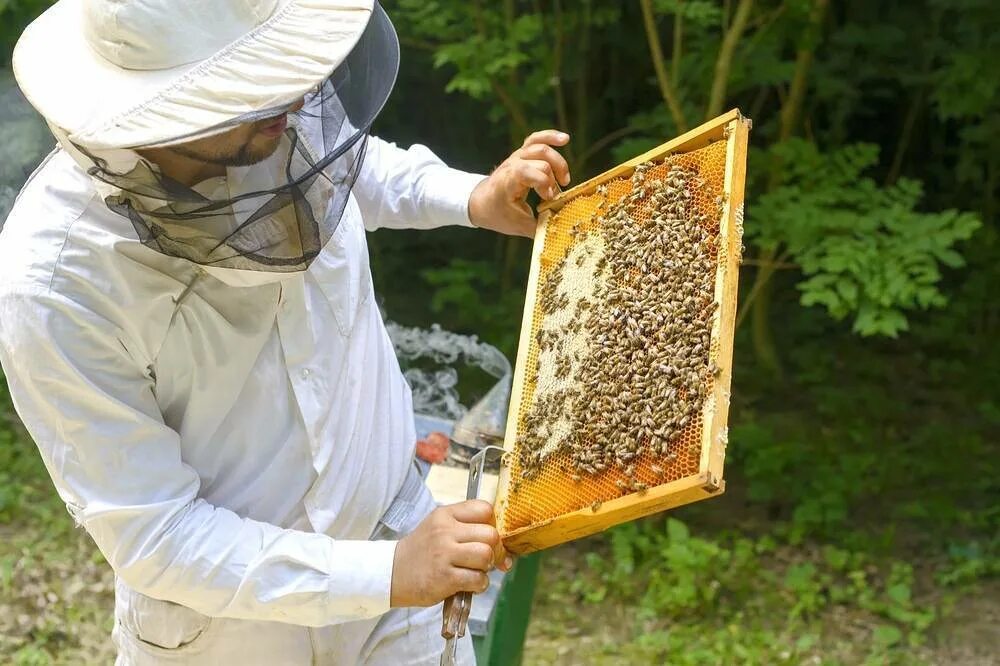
[764, 346]
[720, 80]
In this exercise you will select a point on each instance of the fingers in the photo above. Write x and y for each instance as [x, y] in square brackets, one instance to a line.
[508, 562]
[472, 511]
[482, 557]
[487, 540]
[539, 176]
[483, 536]
[486, 534]
[469, 580]
[478, 556]
[557, 162]
[549, 136]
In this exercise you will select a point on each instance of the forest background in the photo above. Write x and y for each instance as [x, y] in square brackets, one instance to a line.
[861, 522]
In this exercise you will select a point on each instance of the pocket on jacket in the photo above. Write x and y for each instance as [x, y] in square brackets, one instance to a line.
[157, 625]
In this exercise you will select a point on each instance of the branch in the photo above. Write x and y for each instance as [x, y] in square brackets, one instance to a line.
[562, 115]
[513, 107]
[518, 116]
[604, 141]
[662, 77]
[791, 105]
[764, 21]
[905, 136]
[758, 102]
[792, 109]
[477, 16]
[675, 58]
[582, 106]
[722, 64]
[916, 106]
[775, 265]
[417, 43]
[768, 265]
[761, 26]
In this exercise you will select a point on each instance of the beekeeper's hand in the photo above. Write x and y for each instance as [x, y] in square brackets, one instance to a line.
[449, 552]
[498, 203]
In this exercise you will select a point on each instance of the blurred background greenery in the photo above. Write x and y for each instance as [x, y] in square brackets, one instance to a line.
[861, 522]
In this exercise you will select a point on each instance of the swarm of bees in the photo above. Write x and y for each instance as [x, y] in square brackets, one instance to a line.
[643, 371]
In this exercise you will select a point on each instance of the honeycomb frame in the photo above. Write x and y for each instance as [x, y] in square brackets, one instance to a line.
[595, 505]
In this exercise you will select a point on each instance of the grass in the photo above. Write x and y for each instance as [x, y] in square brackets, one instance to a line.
[714, 598]
[652, 592]
[725, 599]
[56, 590]
[860, 526]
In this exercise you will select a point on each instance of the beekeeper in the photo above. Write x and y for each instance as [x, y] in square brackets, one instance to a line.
[189, 330]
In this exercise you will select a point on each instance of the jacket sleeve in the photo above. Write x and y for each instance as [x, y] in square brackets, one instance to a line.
[411, 189]
[89, 404]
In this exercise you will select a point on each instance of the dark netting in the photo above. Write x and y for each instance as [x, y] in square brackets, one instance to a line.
[275, 215]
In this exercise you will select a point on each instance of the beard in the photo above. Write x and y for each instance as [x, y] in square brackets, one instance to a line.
[246, 154]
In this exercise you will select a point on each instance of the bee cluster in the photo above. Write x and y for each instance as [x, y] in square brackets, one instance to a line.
[624, 343]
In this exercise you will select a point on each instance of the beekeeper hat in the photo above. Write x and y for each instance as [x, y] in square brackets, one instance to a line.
[132, 73]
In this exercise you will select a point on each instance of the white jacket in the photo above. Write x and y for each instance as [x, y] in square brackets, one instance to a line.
[229, 449]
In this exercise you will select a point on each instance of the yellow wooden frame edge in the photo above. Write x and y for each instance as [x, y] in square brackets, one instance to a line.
[733, 128]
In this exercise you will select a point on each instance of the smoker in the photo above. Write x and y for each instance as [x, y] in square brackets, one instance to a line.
[497, 618]
[483, 425]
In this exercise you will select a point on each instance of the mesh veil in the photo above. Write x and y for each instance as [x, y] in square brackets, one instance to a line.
[275, 215]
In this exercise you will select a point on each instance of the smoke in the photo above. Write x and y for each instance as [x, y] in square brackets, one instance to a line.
[24, 141]
[435, 391]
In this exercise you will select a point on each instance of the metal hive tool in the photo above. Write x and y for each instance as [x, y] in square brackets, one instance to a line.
[555, 503]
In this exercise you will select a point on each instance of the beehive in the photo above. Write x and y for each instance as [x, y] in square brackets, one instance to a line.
[552, 507]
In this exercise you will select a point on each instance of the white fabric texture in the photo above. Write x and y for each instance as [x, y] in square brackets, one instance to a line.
[230, 449]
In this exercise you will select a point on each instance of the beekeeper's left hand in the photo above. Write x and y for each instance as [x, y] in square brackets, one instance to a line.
[498, 203]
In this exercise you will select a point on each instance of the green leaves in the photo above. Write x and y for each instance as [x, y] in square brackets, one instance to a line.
[700, 12]
[721, 598]
[468, 293]
[866, 251]
[481, 58]
[886, 635]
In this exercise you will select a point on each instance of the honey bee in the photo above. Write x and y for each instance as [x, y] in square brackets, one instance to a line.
[643, 375]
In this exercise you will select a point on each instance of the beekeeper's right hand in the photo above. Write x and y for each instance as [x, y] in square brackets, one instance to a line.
[449, 552]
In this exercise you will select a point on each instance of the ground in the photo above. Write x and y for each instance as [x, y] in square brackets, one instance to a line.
[565, 631]
[56, 596]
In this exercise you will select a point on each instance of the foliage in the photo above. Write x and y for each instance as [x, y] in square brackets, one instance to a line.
[24, 140]
[861, 504]
[459, 293]
[739, 600]
[864, 249]
[14, 15]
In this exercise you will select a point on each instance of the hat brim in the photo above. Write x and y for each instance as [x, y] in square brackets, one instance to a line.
[102, 106]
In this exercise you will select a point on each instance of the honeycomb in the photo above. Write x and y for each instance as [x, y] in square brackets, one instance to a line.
[551, 491]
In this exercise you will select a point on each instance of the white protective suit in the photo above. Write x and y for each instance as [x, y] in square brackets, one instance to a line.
[231, 449]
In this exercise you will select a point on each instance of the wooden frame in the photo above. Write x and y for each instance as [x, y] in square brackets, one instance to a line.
[707, 482]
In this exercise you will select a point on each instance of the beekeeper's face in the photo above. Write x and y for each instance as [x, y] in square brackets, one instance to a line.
[241, 146]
